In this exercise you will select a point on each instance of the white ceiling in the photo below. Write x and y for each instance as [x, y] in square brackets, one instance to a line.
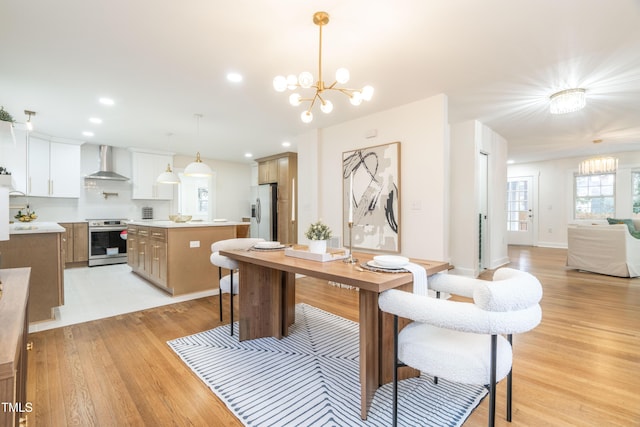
[163, 61]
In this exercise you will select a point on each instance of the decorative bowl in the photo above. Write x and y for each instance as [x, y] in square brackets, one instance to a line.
[26, 218]
[180, 218]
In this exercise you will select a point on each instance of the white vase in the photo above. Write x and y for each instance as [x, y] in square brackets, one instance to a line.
[317, 246]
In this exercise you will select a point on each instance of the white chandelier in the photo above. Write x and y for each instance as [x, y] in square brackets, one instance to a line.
[305, 81]
[567, 101]
[598, 166]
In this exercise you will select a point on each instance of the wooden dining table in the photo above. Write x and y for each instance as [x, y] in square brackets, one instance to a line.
[267, 305]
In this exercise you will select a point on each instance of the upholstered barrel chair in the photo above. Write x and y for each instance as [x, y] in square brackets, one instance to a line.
[464, 341]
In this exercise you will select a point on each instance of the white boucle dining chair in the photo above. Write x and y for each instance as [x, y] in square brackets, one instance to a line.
[229, 283]
[463, 341]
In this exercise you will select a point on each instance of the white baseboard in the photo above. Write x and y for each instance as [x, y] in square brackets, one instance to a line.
[468, 272]
[499, 263]
[552, 245]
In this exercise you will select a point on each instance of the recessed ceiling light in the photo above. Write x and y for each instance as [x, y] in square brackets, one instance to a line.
[234, 77]
[510, 162]
[106, 101]
[87, 133]
[248, 155]
[95, 120]
[286, 144]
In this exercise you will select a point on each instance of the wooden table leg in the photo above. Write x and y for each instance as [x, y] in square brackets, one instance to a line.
[369, 349]
[288, 301]
[386, 350]
[261, 302]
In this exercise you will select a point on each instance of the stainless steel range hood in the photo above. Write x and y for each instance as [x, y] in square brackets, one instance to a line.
[106, 167]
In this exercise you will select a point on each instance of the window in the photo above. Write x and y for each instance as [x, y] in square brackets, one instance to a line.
[196, 197]
[594, 196]
[518, 210]
[635, 192]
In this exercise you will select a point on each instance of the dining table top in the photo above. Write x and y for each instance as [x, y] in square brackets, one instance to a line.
[356, 274]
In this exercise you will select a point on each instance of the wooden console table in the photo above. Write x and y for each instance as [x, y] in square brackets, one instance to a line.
[14, 328]
[267, 300]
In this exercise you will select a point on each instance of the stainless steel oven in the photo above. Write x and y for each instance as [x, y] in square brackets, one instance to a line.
[107, 241]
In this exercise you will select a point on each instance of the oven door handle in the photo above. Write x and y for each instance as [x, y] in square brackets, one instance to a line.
[114, 228]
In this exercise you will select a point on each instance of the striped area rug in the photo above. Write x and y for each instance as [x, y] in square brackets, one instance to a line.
[310, 378]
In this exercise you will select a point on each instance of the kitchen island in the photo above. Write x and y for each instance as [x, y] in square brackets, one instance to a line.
[175, 256]
[38, 245]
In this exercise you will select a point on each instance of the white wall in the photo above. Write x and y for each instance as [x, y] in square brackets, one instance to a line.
[468, 141]
[463, 198]
[554, 210]
[422, 129]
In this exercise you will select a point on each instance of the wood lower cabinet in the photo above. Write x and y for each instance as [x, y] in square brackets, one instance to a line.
[75, 244]
[43, 253]
[176, 259]
[156, 260]
[13, 351]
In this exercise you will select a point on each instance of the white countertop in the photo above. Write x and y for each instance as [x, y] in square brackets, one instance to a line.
[171, 224]
[35, 227]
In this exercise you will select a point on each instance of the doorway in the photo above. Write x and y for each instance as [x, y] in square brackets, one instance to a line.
[520, 210]
[483, 208]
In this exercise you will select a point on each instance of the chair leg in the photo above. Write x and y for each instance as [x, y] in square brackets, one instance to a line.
[492, 382]
[231, 301]
[395, 370]
[509, 383]
[220, 290]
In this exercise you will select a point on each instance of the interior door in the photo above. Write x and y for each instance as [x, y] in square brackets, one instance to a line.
[520, 210]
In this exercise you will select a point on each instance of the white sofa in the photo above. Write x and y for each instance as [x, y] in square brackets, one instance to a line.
[604, 249]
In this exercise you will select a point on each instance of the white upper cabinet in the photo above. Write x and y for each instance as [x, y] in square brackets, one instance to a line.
[13, 156]
[145, 169]
[53, 169]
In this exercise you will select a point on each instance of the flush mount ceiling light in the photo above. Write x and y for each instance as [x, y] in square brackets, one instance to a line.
[305, 81]
[198, 168]
[598, 166]
[29, 122]
[567, 101]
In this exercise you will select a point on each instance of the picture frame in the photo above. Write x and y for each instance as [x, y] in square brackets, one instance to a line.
[371, 197]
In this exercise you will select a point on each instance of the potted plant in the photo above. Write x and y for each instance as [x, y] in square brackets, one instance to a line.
[5, 116]
[318, 234]
[5, 177]
[6, 125]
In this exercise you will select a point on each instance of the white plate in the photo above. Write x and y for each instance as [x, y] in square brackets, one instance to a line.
[391, 261]
[220, 220]
[374, 264]
[267, 245]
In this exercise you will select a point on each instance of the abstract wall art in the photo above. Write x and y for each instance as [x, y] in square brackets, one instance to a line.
[370, 197]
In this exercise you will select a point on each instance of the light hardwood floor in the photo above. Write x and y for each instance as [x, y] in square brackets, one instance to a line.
[579, 367]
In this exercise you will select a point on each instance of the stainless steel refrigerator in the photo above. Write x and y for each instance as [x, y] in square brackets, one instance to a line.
[264, 212]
